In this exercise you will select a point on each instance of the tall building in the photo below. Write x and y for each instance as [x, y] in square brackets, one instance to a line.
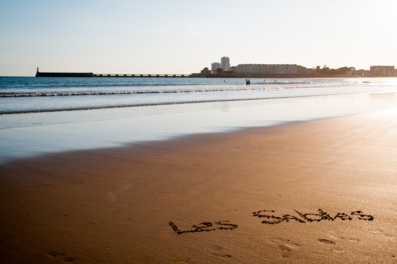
[382, 70]
[215, 66]
[225, 63]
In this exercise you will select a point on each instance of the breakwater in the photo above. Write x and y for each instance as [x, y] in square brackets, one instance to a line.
[64, 74]
[193, 75]
[143, 75]
[104, 75]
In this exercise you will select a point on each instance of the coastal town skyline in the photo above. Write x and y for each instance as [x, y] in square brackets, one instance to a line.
[175, 37]
[224, 66]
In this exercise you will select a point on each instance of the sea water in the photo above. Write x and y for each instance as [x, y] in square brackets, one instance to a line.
[47, 115]
[30, 94]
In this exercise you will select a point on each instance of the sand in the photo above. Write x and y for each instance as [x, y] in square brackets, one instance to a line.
[320, 191]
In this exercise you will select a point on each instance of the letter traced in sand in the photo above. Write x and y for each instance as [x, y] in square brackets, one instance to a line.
[275, 219]
[205, 227]
[271, 218]
[309, 217]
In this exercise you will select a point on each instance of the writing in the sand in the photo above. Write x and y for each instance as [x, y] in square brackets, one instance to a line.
[309, 217]
[205, 227]
[272, 218]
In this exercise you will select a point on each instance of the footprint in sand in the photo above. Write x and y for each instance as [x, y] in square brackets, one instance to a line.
[337, 250]
[352, 239]
[286, 251]
[326, 241]
[332, 243]
[57, 254]
[285, 246]
[222, 255]
[381, 231]
[219, 251]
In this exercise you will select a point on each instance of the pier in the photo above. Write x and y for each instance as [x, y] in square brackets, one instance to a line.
[107, 75]
[143, 75]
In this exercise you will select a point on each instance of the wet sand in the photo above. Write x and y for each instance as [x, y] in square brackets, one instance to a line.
[319, 191]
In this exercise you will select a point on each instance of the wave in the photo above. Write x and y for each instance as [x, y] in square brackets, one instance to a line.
[27, 83]
[157, 104]
[284, 82]
[90, 85]
[120, 92]
[254, 87]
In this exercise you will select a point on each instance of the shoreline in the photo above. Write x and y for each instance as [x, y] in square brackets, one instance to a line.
[24, 135]
[116, 205]
[185, 76]
[169, 104]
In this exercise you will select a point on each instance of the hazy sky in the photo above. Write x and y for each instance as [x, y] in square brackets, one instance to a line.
[183, 36]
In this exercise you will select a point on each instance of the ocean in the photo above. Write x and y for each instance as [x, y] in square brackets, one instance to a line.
[50, 115]
[30, 94]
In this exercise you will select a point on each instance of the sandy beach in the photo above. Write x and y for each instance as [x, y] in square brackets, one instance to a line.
[317, 191]
[151, 132]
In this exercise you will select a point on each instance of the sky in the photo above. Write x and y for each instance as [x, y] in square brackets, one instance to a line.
[184, 36]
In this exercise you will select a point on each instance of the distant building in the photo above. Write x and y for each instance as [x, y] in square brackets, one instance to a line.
[271, 69]
[225, 63]
[215, 66]
[361, 72]
[382, 70]
[205, 71]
